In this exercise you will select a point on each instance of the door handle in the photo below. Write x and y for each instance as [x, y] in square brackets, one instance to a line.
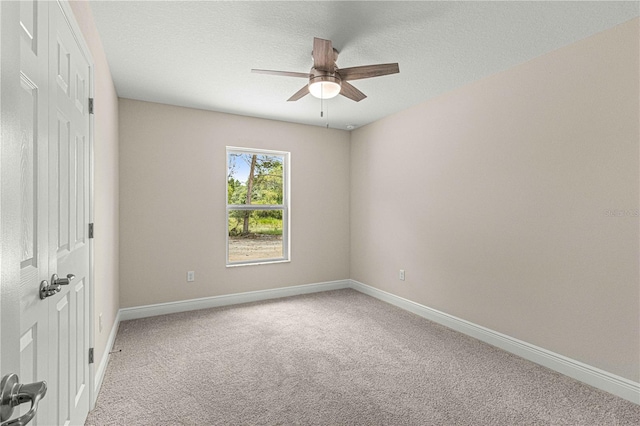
[47, 289]
[13, 394]
[61, 281]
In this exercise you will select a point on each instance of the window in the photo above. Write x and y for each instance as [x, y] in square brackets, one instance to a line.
[257, 206]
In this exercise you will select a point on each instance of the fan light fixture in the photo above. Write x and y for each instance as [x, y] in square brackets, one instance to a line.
[326, 80]
[324, 86]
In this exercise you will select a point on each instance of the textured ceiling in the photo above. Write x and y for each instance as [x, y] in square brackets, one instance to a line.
[199, 53]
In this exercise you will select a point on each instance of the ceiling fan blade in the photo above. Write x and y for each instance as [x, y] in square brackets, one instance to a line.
[323, 57]
[283, 73]
[367, 71]
[351, 92]
[299, 94]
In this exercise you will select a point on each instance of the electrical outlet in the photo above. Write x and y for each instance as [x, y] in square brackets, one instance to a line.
[191, 276]
[401, 275]
[100, 323]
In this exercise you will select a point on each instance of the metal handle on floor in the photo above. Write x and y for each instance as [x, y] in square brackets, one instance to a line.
[13, 394]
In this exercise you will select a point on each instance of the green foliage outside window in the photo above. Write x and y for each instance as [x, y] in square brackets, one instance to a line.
[257, 180]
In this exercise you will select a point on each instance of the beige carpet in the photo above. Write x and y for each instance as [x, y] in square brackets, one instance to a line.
[334, 358]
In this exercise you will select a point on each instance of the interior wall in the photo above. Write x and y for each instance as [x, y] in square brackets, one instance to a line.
[513, 202]
[509, 203]
[105, 153]
[173, 195]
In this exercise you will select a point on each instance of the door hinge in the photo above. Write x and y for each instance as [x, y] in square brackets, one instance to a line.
[91, 230]
[90, 355]
[90, 105]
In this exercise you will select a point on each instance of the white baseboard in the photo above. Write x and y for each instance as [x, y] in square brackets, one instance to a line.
[229, 299]
[593, 376]
[102, 368]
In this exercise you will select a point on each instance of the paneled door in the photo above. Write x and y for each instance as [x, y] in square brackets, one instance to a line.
[34, 210]
[68, 216]
[52, 184]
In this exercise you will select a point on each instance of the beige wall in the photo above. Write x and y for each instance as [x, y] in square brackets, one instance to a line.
[106, 298]
[494, 200]
[172, 203]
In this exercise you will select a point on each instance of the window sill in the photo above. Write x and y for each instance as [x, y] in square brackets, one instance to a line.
[266, 262]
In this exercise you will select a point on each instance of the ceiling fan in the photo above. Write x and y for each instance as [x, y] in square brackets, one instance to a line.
[326, 80]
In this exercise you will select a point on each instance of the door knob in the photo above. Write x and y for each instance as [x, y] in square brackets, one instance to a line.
[13, 394]
[47, 289]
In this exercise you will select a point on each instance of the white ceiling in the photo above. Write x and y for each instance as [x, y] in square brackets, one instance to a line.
[199, 53]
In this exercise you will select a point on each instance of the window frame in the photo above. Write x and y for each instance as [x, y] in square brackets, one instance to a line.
[285, 206]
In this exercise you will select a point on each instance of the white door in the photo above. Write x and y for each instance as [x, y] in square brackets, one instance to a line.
[68, 221]
[9, 189]
[52, 183]
[34, 211]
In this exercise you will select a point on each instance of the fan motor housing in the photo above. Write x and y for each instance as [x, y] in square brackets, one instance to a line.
[319, 75]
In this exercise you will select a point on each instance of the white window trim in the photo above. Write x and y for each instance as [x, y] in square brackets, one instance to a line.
[285, 206]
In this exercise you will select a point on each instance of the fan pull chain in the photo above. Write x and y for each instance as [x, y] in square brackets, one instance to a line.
[327, 115]
[322, 106]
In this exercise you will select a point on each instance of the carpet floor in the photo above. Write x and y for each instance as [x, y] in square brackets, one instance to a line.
[332, 358]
